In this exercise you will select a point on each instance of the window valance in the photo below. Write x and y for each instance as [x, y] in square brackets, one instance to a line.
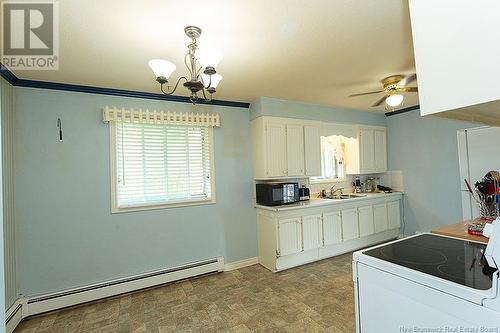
[110, 114]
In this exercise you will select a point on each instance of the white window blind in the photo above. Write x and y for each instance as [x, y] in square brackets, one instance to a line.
[159, 164]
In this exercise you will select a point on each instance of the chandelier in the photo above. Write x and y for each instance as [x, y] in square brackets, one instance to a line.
[201, 64]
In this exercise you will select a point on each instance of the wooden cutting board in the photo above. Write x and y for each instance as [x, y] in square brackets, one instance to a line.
[459, 230]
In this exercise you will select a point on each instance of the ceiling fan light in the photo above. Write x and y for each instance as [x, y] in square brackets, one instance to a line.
[209, 57]
[162, 68]
[394, 100]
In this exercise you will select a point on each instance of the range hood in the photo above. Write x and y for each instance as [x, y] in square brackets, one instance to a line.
[457, 58]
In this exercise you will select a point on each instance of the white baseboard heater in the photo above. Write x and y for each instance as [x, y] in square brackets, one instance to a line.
[70, 297]
[13, 316]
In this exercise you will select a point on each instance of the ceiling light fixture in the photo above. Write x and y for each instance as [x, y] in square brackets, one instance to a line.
[201, 64]
[394, 99]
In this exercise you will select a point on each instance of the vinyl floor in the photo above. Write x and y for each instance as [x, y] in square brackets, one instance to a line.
[317, 297]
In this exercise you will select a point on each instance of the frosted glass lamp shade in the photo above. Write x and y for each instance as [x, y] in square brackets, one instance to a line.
[162, 68]
[394, 99]
[209, 57]
[216, 78]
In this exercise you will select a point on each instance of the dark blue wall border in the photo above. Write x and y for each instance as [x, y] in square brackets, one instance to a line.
[15, 81]
[7, 75]
[408, 109]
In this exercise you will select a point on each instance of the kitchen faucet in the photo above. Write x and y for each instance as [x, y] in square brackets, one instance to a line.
[332, 191]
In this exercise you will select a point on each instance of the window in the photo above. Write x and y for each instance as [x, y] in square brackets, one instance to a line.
[332, 159]
[160, 165]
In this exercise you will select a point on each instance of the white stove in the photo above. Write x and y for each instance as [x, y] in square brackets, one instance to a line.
[428, 283]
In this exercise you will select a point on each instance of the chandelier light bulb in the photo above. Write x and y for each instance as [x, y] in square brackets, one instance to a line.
[394, 100]
[216, 78]
[162, 68]
[209, 57]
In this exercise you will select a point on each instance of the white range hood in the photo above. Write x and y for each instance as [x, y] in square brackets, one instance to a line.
[457, 57]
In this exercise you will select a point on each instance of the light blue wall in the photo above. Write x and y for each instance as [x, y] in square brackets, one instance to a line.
[265, 106]
[425, 149]
[67, 235]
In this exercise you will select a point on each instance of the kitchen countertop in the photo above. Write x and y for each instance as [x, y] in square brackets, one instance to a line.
[324, 202]
[459, 230]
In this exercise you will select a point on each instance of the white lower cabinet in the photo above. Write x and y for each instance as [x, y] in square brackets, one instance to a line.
[380, 217]
[296, 236]
[312, 237]
[289, 236]
[365, 221]
[393, 214]
[332, 228]
[350, 228]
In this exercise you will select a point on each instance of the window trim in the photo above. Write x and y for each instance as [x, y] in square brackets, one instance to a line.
[318, 180]
[145, 207]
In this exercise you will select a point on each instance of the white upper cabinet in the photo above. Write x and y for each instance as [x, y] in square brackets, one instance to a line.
[276, 152]
[367, 150]
[380, 150]
[457, 58]
[285, 147]
[295, 149]
[312, 150]
[367, 153]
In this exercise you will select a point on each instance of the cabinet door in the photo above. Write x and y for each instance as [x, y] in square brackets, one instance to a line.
[350, 224]
[312, 151]
[295, 150]
[380, 150]
[366, 150]
[276, 149]
[393, 215]
[332, 228]
[311, 232]
[365, 218]
[380, 217]
[289, 236]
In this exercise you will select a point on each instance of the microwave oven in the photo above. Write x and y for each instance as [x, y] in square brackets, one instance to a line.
[275, 194]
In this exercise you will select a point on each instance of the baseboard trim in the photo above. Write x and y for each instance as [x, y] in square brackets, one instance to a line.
[14, 315]
[30, 306]
[231, 266]
[59, 300]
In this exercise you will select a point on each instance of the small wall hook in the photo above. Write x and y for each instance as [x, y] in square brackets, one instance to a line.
[59, 125]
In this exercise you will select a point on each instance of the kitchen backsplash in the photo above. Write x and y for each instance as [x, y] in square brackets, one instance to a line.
[392, 179]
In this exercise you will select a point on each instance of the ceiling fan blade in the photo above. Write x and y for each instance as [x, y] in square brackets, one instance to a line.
[407, 79]
[367, 93]
[409, 89]
[380, 101]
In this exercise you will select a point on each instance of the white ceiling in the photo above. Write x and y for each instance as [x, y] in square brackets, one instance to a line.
[317, 51]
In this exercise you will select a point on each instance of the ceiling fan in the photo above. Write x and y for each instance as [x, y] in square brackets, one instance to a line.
[392, 87]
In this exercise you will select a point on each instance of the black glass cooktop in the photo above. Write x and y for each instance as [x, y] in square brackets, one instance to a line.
[446, 258]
